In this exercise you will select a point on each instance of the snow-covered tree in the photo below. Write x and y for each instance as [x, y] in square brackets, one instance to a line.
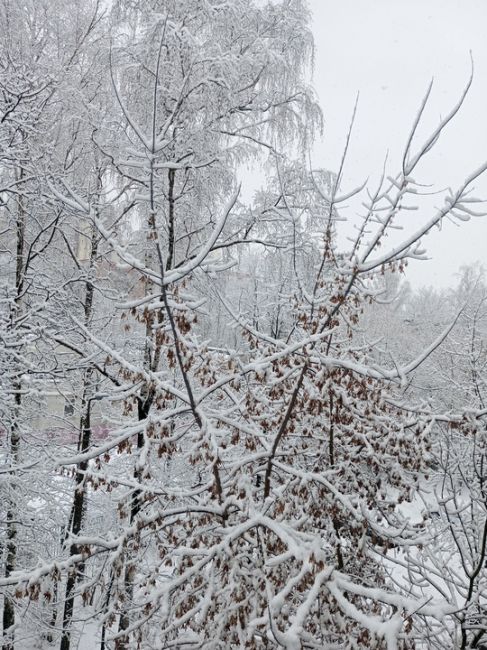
[261, 447]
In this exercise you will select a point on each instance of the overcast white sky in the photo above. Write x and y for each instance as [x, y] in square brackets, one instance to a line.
[389, 50]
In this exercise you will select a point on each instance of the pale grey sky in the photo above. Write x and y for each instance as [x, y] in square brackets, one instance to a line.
[389, 50]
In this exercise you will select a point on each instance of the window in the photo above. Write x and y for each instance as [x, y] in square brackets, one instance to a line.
[68, 407]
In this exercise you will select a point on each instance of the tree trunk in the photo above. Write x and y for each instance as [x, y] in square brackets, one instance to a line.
[79, 499]
[12, 509]
[11, 559]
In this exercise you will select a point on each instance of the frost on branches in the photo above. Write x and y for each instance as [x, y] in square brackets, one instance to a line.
[237, 456]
